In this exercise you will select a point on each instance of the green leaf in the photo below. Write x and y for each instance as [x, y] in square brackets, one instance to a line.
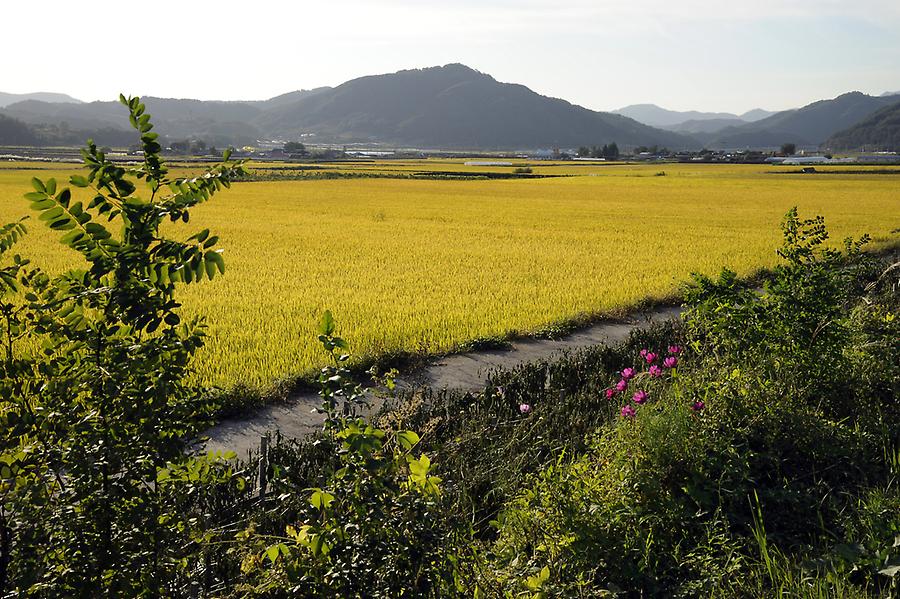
[38, 185]
[320, 499]
[319, 546]
[72, 237]
[52, 213]
[536, 582]
[124, 187]
[326, 323]
[216, 258]
[209, 265]
[43, 204]
[63, 224]
[63, 197]
[97, 231]
[272, 553]
[78, 181]
[407, 439]
[419, 467]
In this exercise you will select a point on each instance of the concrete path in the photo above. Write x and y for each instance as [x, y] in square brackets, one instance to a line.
[467, 372]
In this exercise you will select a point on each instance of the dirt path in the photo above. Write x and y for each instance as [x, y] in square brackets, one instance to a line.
[467, 371]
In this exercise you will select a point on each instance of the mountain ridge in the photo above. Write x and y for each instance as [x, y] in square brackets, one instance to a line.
[880, 131]
[455, 106]
[7, 98]
[447, 107]
[657, 116]
[809, 126]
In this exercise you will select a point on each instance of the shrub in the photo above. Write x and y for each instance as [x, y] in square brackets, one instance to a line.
[782, 424]
[376, 528]
[97, 408]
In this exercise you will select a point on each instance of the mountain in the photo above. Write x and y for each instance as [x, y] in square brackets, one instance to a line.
[706, 125]
[756, 114]
[656, 116]
[218, 123]
[7, 99]
[85, 115]
[880, 131]
[807, 126]
[454, 106]
[441, 107]
[885, 94]
[690, 121]
[289, 98]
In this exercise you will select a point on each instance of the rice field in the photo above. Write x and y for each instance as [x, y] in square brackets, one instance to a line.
[425, 265]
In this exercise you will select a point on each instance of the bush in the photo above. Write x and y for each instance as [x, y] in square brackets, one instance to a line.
[377, 527]
[96, 423]
[777, 435]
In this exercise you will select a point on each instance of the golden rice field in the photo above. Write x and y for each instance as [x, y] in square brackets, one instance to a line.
[421, 265]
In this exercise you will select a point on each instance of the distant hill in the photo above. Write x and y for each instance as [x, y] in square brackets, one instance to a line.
[440, 107]
[656, 116]
[288, 98]
[706, 125]
[879, 131]
[807, 126]
[76, 116]
[218, 123]
[890, 94]
[454, 106]
[6, 99]
[449, 107]
[756, 114]
[690, 121]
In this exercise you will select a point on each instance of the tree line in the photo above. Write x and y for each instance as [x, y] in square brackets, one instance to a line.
[607, 151]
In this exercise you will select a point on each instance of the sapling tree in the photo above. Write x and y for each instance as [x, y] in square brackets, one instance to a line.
[97, 406]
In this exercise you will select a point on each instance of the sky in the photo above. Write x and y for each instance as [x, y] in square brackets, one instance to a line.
[725, 55]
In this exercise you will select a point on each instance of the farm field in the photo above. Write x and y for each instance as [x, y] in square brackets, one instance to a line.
[426, 265]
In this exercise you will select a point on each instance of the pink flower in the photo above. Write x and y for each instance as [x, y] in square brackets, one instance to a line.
[627, 412]
[698, 405]
[670, 362]
[655, 371]
[650, 357]
[674, 349]
[610, 393]
[524, 408]
[621, 385]
[644, 353]
[628, 373]
[639, 397]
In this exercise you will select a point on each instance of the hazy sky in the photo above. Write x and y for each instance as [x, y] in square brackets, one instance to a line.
[724, 55]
